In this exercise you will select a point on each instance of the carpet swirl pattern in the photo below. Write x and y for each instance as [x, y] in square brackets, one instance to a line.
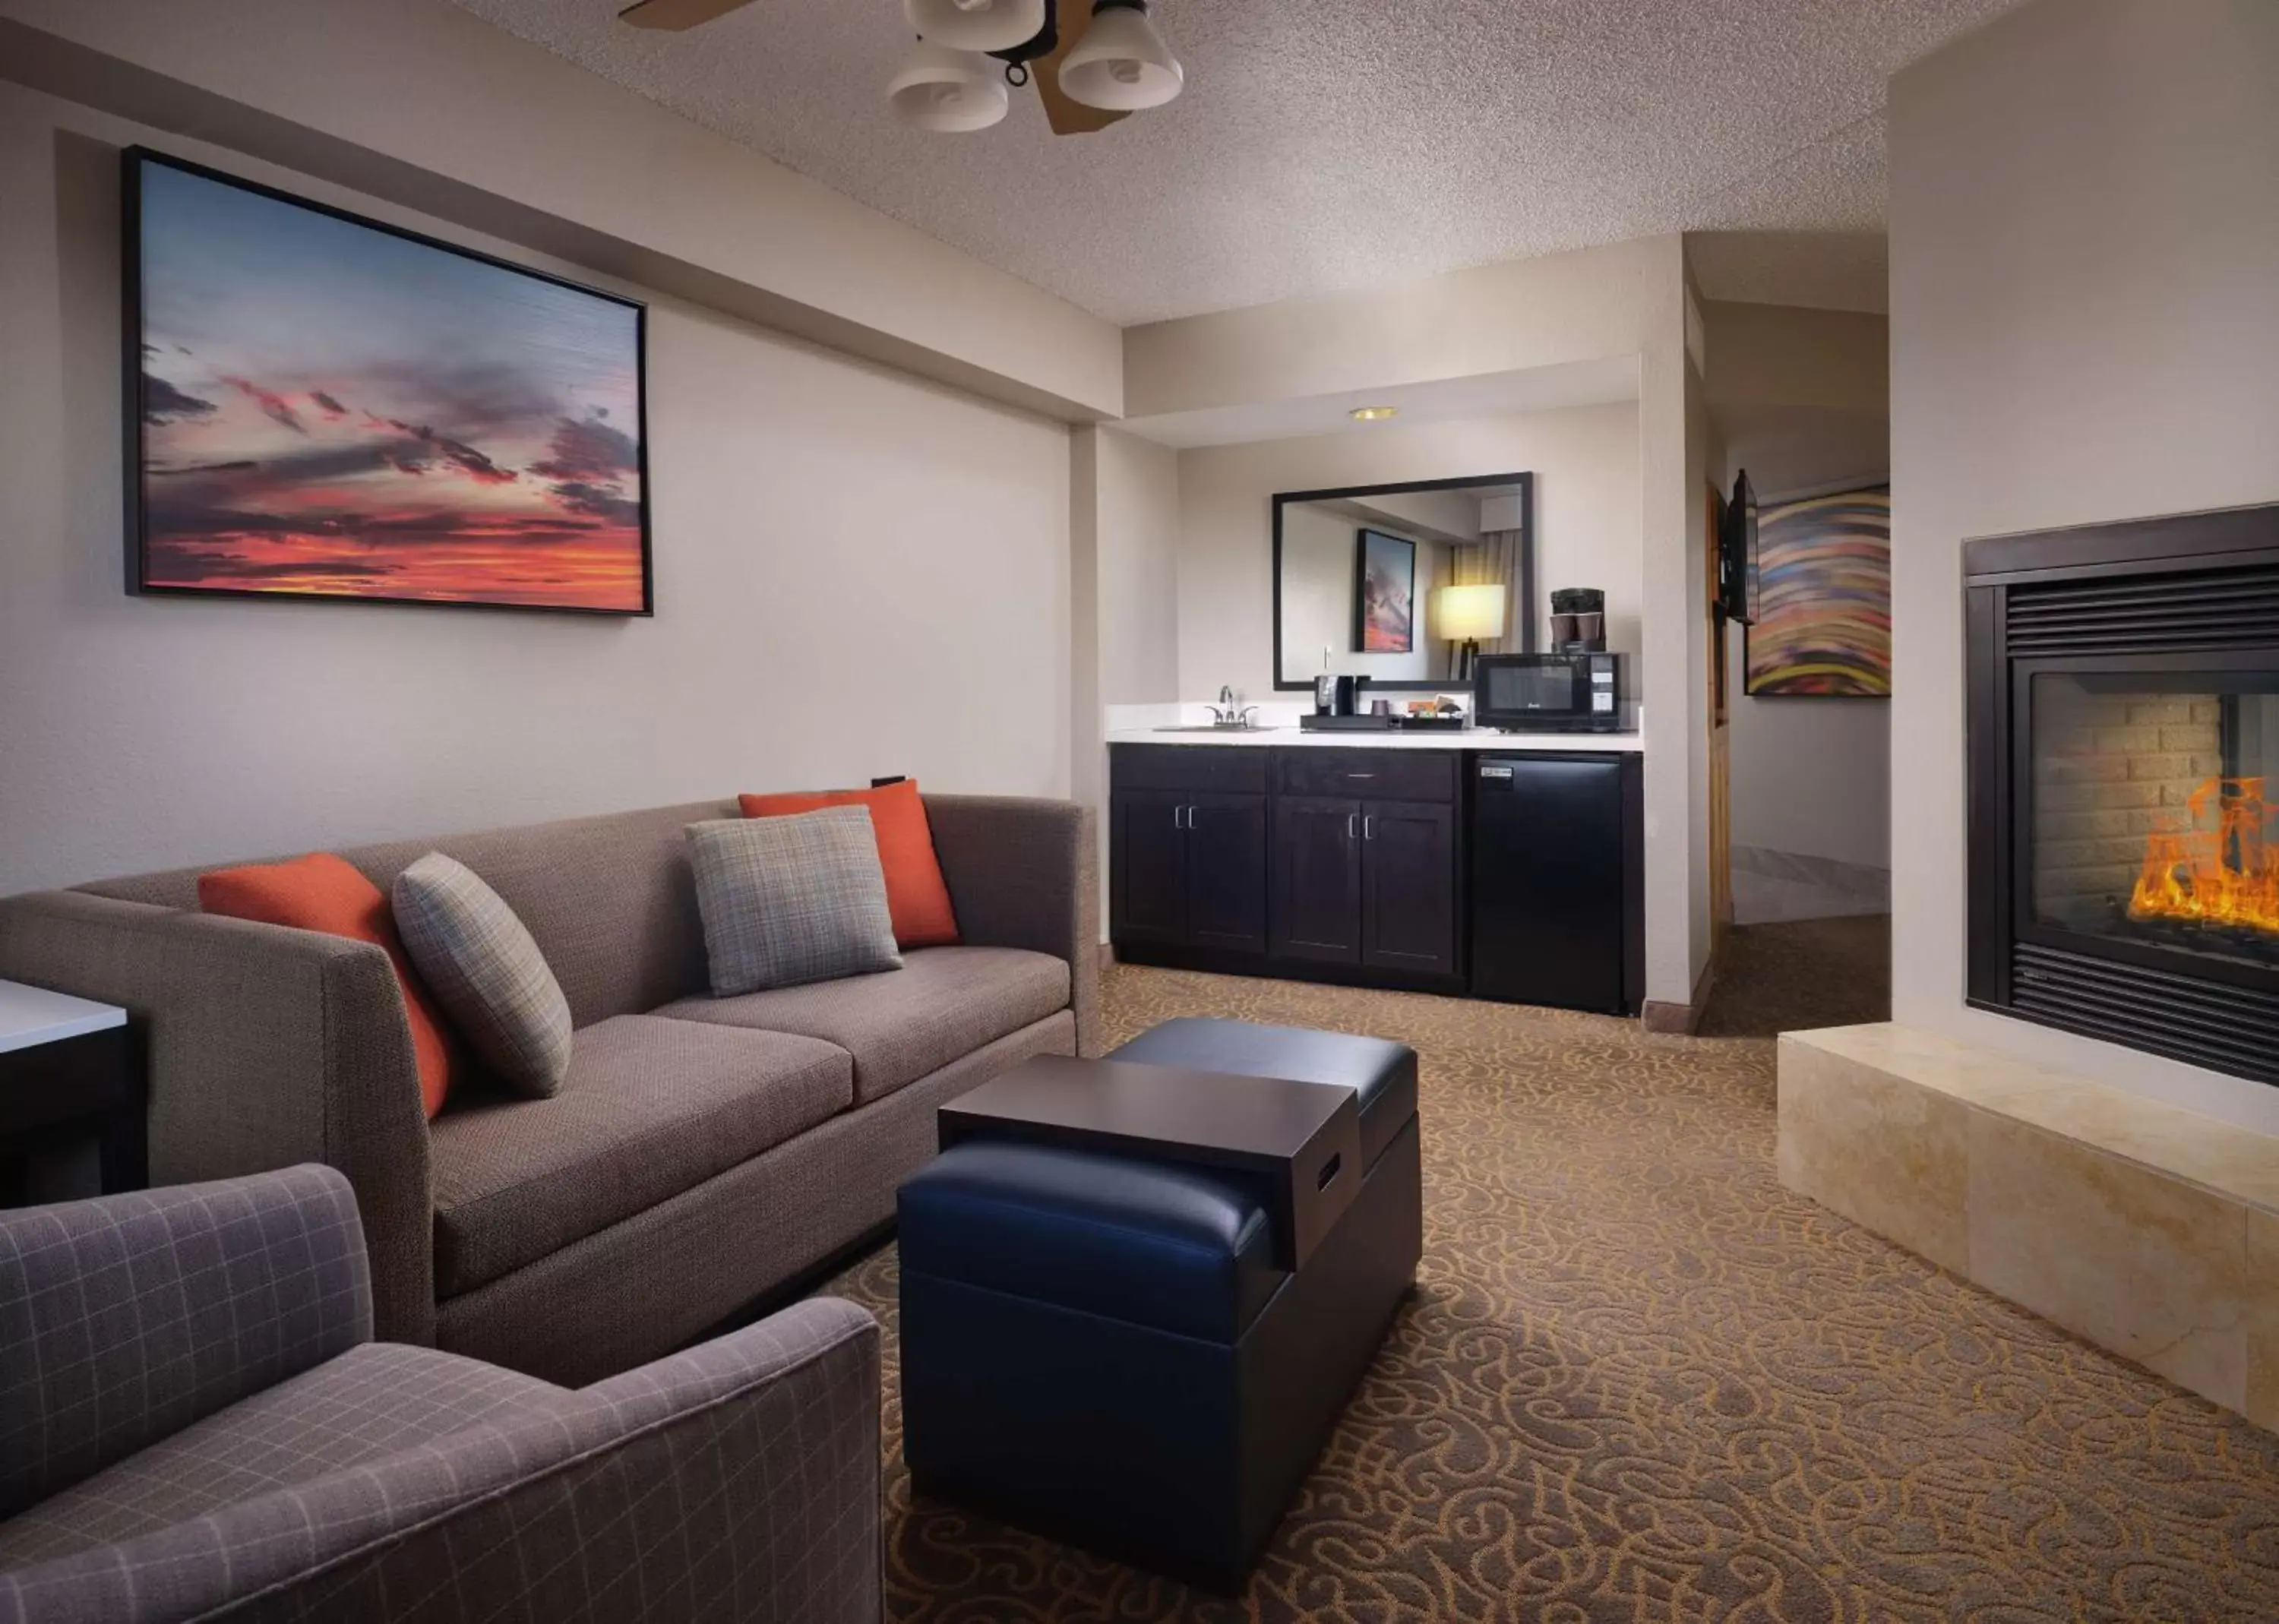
[1640, 1382]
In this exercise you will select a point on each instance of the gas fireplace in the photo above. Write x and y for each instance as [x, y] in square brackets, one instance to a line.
[2124, 784]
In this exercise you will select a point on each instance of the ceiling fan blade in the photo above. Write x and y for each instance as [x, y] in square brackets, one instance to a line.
[1067, 117]
[675, 15]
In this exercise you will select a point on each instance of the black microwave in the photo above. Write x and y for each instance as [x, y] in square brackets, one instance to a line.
[1548, 693]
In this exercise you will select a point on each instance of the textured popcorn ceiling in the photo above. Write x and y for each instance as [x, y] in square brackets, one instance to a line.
[1329, 144]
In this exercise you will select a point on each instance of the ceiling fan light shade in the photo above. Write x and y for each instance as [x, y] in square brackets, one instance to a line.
[1121, 64]
[947, 91]
[977, 25]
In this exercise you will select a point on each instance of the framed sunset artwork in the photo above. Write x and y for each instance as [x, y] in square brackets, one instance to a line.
[1385, 594]
[321, 406]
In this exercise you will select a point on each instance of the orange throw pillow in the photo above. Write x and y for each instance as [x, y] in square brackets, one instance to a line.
[325, 894]
[917, 895]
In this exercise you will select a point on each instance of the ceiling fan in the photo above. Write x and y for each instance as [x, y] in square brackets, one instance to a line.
[1093, 62]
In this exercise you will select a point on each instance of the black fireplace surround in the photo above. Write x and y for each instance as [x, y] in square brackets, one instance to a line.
[2124, 784]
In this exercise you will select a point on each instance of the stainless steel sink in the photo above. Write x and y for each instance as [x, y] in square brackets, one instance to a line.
[1214, 727]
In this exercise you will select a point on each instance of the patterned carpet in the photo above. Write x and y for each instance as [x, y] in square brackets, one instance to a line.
[1640, 1382]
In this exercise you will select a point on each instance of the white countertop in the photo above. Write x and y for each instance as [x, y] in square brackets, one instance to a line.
[1469, 738]
[32, 1015]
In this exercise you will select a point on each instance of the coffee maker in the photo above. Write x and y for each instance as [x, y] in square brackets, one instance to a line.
[1338, 696]
[1578, 620]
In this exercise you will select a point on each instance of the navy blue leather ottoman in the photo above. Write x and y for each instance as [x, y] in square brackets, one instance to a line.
[1102, 1348]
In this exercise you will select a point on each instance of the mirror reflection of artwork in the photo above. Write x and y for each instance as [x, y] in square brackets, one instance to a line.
[1384, 619]
[1442, 533]
[329, 407]
[1823, 627]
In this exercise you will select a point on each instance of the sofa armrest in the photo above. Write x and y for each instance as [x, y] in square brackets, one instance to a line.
[739, 1480]
[124, 1319]
[267, 1047]
[1027, 874]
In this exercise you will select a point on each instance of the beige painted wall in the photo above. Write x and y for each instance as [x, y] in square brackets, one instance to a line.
[1583, 306]
[1803, 398]
[425, 84]
[2084, 327]
[1138, 570]
[1585, 460]
[857, 574]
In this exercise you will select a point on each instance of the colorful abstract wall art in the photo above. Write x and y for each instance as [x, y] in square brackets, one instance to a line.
[1825, 621]
[327, 407]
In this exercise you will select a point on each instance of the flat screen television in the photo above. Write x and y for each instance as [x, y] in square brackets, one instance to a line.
[321, 406]
[1738, 591]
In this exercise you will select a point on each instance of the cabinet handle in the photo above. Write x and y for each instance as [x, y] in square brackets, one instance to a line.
[1178, 817]
[1369, 828]
[1350, 817]
[1361, 774]
[1190, 818]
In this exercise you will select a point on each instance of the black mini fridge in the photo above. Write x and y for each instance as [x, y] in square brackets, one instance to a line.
[1558, 858]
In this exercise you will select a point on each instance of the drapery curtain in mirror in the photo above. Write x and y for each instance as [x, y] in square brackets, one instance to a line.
[1495, 562]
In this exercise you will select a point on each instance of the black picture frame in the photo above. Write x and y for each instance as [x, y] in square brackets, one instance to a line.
[133, 162]
[1523, 590]
[1365, 541]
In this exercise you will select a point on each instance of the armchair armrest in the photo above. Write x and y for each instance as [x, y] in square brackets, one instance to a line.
[267, 1047]
[739, 1480]
[1025, 873]
[124, 1319]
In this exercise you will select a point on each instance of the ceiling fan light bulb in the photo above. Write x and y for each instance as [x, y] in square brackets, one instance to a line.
[947, 91]
[1121, 64]
[977, 25]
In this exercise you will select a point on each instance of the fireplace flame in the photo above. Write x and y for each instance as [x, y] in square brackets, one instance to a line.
[2219, 868]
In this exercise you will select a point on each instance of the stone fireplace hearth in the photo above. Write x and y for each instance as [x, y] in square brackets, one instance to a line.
[2147, 1230]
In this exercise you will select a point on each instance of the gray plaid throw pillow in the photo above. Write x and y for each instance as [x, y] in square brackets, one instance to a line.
[486, 971]
[791, 899]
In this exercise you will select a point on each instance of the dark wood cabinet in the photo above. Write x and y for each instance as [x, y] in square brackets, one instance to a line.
[1408, 887]
[1187, 853]
[1338, 863]
[1318, 880]
[1226, 871]
[1148, 897]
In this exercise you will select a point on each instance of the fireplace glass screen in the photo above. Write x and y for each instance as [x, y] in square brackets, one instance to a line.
[2155, 808]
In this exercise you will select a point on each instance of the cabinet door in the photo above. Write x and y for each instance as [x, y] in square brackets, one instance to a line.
[1317, 878]
[1150, 866]
[1226, 871]
[1408, 886]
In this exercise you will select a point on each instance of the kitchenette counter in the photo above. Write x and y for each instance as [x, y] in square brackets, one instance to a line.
[1469, 738]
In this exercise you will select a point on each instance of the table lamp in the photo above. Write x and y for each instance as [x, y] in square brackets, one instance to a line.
[1466, 615]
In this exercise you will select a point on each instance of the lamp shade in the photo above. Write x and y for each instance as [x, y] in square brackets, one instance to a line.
[1462, 613]
[977, 25]
[1121, 64]
[949, 90]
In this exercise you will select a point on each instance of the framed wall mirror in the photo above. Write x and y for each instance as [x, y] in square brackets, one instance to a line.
[1402, 582]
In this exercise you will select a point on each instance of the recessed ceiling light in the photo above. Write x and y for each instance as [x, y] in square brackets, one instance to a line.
[1373, 414]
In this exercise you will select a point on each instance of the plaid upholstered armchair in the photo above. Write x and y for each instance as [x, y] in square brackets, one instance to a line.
[194, 1423]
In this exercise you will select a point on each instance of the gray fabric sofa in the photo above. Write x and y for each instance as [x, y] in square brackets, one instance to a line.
[194, 1422]
[701, 1153]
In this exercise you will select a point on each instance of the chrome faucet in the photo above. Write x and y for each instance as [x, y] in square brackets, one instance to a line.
[1227, 713]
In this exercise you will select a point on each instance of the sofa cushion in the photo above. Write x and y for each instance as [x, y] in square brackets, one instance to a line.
[943, 1004]
[789, 900]
[486, 972]
[649, 1108]
[917, 894]
[370, 1401]
[327, 894]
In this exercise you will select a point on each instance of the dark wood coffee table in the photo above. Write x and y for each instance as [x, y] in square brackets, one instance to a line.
[1301, 1141]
